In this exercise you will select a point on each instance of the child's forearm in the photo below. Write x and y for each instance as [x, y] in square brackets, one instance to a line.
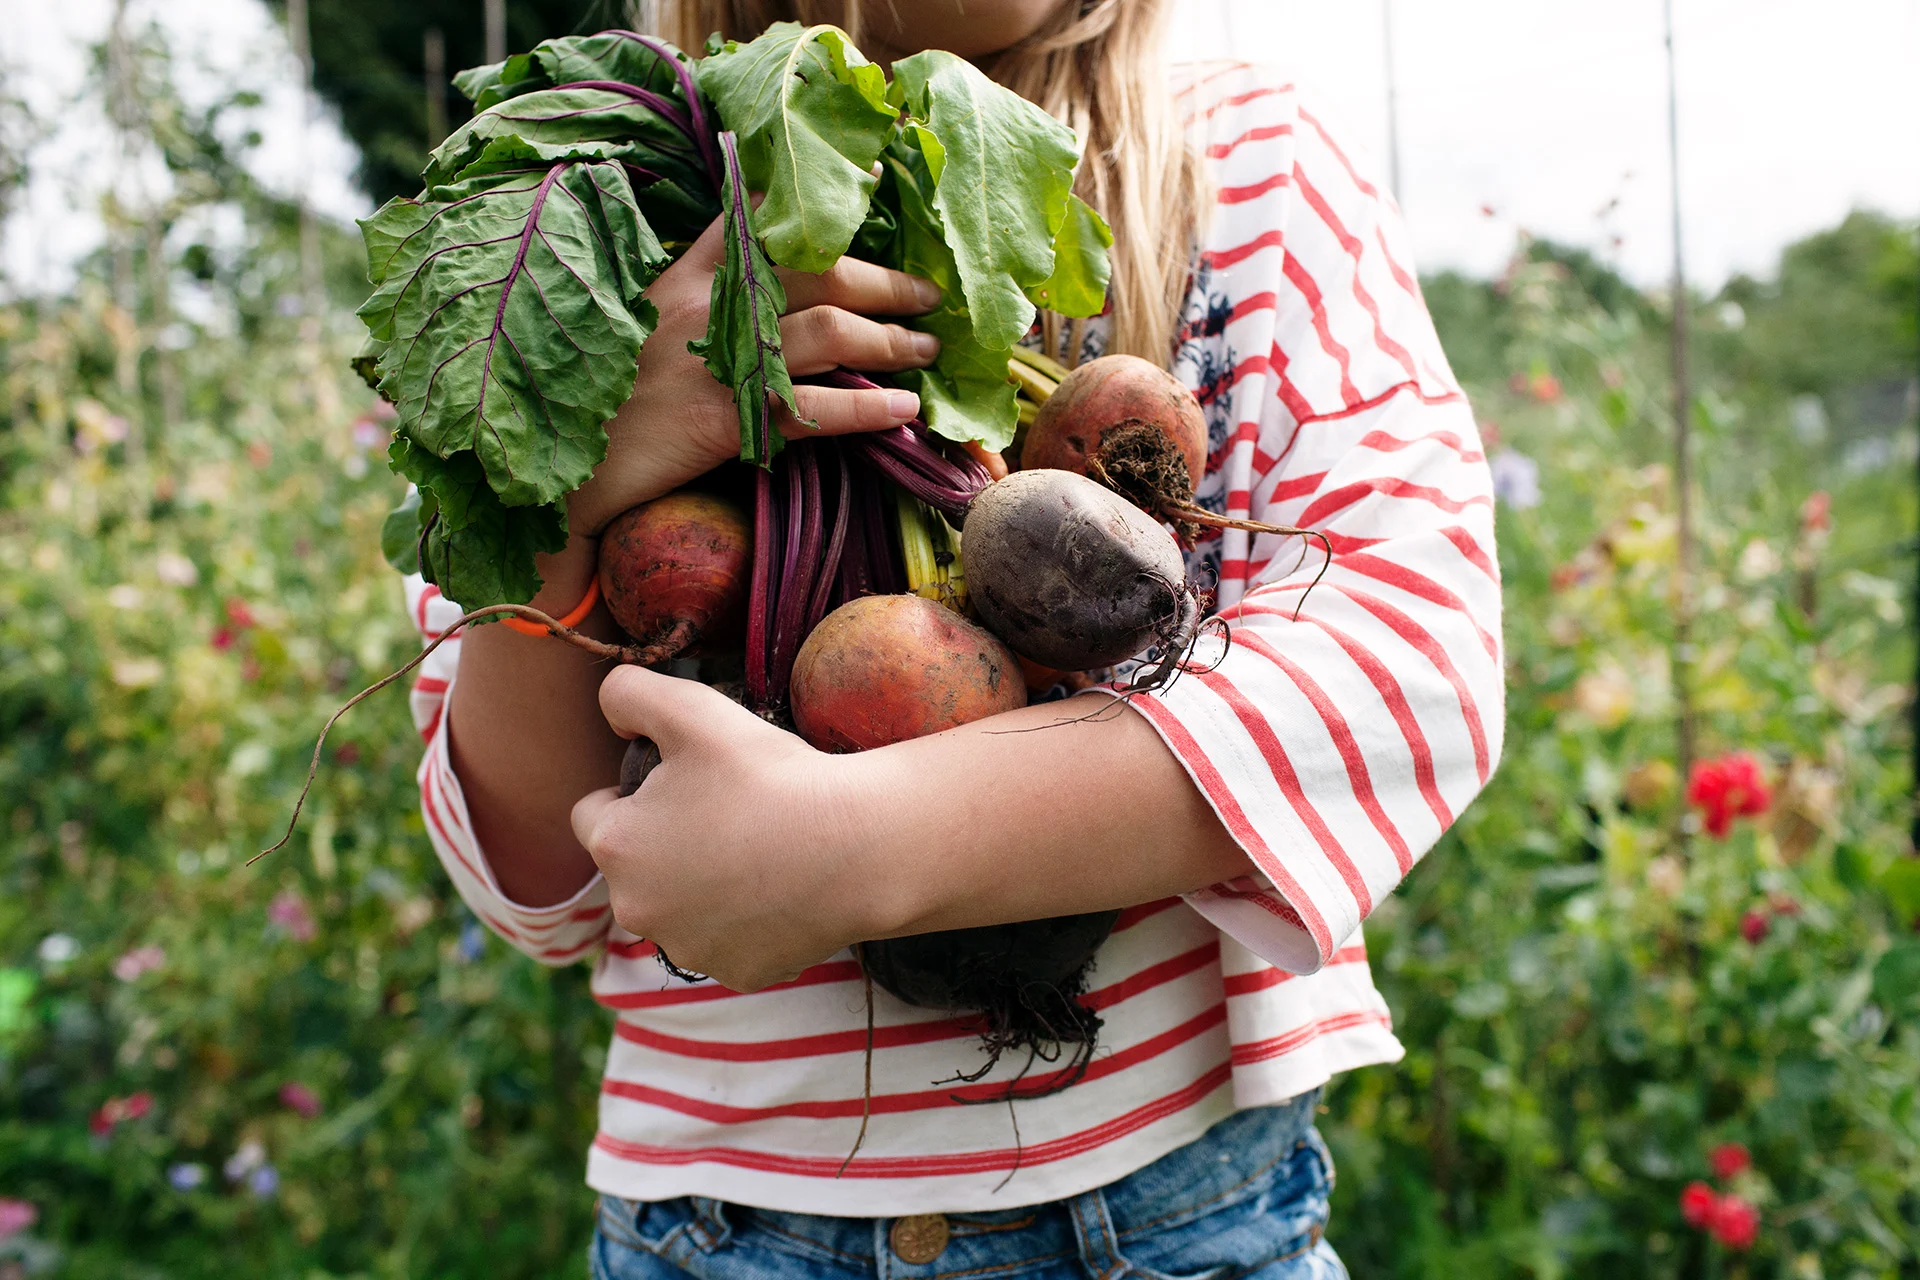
[529, 739]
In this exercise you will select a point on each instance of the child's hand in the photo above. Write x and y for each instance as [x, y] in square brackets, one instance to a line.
[680, 422]
[736, 855]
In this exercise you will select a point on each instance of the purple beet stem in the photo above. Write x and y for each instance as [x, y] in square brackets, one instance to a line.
[836, 542]
[702, 134]
[660, 106]
[790, 599]
[759, 599]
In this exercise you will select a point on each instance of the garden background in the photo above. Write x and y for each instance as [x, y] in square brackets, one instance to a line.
[322, 1066]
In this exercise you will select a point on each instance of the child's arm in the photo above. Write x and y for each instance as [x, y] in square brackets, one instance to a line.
[1326, 751]
[527, 736]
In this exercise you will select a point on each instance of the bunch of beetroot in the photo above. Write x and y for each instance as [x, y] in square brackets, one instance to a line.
[868, 589]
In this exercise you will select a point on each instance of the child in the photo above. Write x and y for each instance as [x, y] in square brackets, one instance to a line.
[1246, 819]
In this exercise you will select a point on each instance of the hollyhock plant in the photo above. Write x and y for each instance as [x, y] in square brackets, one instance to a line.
[1698, 1204]
[1736, 1223]
[289, 911]
[297, 1097]
[130, 966]
[114, 1111]
[1729, 1159]
[16, 1216]
[1728, 788]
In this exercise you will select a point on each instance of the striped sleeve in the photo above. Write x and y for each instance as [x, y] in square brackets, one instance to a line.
[555, 935]
[1349, 722]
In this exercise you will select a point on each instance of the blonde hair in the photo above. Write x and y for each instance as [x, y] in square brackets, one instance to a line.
[1095, 65]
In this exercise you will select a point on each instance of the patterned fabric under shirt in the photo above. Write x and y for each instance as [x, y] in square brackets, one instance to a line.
[1335, 747]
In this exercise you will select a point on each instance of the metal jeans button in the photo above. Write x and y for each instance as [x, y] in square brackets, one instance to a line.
[919, 1239]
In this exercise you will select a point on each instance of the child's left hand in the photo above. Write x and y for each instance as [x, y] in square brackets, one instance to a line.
[741, 855]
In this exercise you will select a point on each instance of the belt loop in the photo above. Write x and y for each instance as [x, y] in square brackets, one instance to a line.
[1099, 1244]
[710, 1221]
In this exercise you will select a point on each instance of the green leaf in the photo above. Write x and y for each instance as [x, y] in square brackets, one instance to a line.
[400, 532]
[608, 55]
[967, 394]
[514, 318]
[479, 551]
[1002, 176]
[563, 118]
[1081, 271]
[812, 117]
[742, 344]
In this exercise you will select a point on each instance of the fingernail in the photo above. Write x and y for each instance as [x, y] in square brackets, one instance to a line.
[926, 292]
[925, 346]
[902, 404]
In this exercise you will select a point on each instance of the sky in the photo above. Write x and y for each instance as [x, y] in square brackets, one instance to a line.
[1547, 116]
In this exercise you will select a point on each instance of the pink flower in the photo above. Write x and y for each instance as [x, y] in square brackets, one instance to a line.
[16, 1216]
[289, 911]
[239, 614]
[1698, 1204]
[222, 639]
[115, 1110]
[297, 1097]
[1728, 788]
[1816, 513]
[1754, 926]
[1544, 387]
[138, 961]
[1783, 904]
[1729, 1159]
[1736, 1223]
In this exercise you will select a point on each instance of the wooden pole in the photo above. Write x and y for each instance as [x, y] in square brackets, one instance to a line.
[1682, 654]
[435, 58]
[123, 106]
[496, 24]
[1393, 103]
[1913, 623]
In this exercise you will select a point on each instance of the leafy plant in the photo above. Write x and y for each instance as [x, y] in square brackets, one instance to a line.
[507, 314]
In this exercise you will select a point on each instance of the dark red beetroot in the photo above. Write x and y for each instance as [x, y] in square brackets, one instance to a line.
[675, 571]
[1070, 576]
[1127, 423]
[884, 669]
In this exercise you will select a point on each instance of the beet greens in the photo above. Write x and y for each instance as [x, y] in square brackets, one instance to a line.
[507, 312]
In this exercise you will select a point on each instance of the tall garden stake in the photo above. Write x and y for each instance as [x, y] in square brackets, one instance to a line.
[1682, 654]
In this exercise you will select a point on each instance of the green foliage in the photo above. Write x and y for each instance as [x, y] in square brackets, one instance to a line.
[1584, 1017]
[507, 319]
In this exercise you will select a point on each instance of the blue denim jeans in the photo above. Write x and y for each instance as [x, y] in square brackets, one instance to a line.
[1248, 1199]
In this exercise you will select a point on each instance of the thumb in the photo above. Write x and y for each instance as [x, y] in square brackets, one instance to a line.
[675, 713]
[587, 812]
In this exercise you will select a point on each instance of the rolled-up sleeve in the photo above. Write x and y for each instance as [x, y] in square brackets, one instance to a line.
[554, 935]
[1353, 718]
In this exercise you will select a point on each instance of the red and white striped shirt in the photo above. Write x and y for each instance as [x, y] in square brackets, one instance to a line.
[1335, 747]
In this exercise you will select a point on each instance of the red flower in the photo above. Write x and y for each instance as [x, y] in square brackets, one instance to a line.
[1699, 1204]
[222, 639]
[346, 753]
[1544, 387]
[1754, 926]
[1729, 1159]
[1816, 513]
[1728, 788]
[1736, 1223]
[298, 1097]
[114, 1110]
[238, 613]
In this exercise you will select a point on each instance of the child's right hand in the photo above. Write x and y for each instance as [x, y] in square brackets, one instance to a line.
[680, 422]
